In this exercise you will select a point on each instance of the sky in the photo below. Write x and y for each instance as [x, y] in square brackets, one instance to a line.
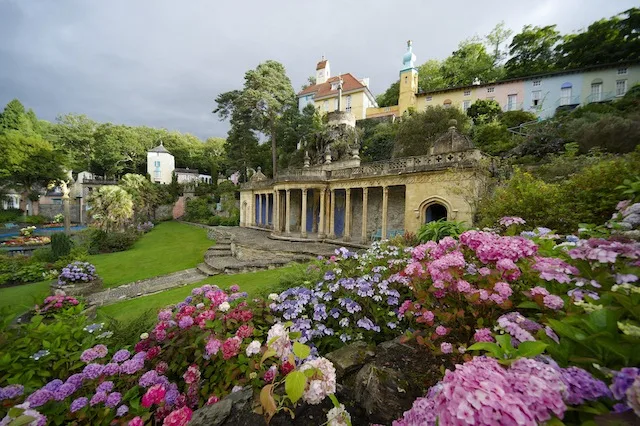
[161, 63]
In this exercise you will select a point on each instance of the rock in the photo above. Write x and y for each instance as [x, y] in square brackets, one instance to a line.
[80, 289]
[216, 414]
[349, 358]
[382, 392]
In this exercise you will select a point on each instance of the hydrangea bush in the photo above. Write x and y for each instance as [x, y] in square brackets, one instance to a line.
[76, 273]
[357, 299]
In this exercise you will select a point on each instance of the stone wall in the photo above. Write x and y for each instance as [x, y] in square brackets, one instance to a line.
[50, 210]
[164, 212]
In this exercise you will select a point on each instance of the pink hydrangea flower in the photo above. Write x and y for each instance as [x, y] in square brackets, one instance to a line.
[483, 335]
[231, 347]
[244, 331]
[446, 347]
[552, 301]
[136, 421]
[154, 395]
[192, 375]
[179, 417]
[441, 330]
[538, 290]
[213, 346]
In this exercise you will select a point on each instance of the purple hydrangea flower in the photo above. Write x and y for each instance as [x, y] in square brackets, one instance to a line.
[113, 399]
[121, 356]
[79, 403]
[148, 379]
[64, 391]
[185, 322]
[39, 397]
[122, 410]
[98, 398]
[582, 386]
[622, 380]
[93, 371]
[11, 392]
[132, 366]
[111, 369]
[76, 379]
[53, 385]
[105, 386]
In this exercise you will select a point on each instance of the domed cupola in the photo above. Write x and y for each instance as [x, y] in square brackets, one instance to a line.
[409, 59]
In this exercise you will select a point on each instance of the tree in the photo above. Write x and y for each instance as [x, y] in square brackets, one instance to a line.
[417, 132]
[311, 81]
[378, 143]
[117, 150]
[111, 208]
[74, 135]
[429, 78]
[266, 95]
[532, 51]
[605, 41]
[495, 38]
[484, 111]
[142, 193]
[390, 96]
[469, 62]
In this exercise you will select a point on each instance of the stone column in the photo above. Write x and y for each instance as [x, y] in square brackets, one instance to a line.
[365, 201]
[259, 209]
[347, 215]
[385, 204]
[287, 212]
[251, 210]
[332, 215]
[303, 216]
[321, 231]
[266, 209]
[276, 212]
[67, 214]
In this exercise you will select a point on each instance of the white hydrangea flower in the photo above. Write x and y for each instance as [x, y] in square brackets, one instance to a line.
[224, 306]
[338, 416]
[319, 385]
[253, 348]
[273, 296]
[278, 340]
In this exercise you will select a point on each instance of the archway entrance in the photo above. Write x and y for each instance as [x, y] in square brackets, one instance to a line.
[435, 212]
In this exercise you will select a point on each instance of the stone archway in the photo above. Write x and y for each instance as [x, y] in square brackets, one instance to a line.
[435, 208]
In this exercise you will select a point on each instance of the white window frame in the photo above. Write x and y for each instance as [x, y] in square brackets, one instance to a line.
[624, 83]
[467, 92]
[325, 106]
[491, 89]
[429, 98]
[334, 86]
[536, 98]
[466, 104]
[564, 98]
[537, 83]
[156, 163]
[623, 71]
[512, 102]
[596, 92]
[348, 104]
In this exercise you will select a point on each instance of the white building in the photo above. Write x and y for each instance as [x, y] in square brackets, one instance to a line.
[160, 164]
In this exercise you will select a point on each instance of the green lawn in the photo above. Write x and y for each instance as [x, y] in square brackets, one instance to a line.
[21, 298]
[253, 283]
[170, 247]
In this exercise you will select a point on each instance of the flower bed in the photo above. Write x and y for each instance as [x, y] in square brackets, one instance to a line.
[78, 279]
[26, 241]
[543, 328]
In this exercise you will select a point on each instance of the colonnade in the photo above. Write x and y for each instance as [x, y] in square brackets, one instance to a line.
[325, 221]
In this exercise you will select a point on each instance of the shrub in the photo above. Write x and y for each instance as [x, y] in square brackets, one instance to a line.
[11, 215]
[59, 218]
[43, 254]
[110, 242]
[30, 272]
[438, 229]
[61, 245]
[77, 273]
[608, 132]
[516, 118]
[198, 209]
[145, 227]
[54, 304]
[484, 111]
[34, 220]
[21, 269]
[493, 138]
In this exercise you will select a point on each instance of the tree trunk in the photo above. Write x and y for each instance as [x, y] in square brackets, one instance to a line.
[274, 158]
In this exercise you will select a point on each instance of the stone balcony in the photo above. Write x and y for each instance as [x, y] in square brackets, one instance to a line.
[423, 163]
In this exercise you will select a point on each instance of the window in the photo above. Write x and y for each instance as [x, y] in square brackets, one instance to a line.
[156, 164]
[334, 86]
[491, 89]
[429, 98]
[447, 103]
[536, 98]
[622, 71]
[467, 92]
[512, 102]
[536, 83]
[565, 96]
[435, 212]
[348, 109]
[57, 201]
[465, 105]
[326, 105]
[335, 104]
[406, 79]
[596, 92]
[621, 87]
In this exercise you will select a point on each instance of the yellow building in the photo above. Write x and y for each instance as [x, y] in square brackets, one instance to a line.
[339, 93]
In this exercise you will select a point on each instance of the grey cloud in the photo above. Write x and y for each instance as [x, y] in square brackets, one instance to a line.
[161, 63]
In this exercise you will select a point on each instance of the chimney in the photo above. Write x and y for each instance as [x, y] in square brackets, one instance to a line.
[365, 81]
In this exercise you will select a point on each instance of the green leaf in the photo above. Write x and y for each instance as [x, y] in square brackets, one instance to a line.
[294, 385]
[504, 340]
[267, 354]
[530, 349]
[22, 420]
[494, 349]
[300, 350]
[529, 305]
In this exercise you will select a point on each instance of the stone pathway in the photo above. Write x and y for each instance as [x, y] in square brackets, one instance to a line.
[145, 287]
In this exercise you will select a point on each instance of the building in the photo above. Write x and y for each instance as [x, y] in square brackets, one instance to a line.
[541, 94]
[348, 201]
[160, 164]
[338, 93]
[191, 176]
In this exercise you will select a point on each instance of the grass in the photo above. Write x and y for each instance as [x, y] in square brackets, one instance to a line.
[170, 247]
[21, 298]
[254, 283]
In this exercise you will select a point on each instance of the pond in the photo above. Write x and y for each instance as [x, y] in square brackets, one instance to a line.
[14, 232]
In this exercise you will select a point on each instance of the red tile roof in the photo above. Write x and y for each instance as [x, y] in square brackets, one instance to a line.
[321, 65]
[349, 83]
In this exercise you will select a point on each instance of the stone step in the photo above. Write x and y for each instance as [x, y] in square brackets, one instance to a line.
[207, 269]
[218, 253]
[220, 247]
[232, 265]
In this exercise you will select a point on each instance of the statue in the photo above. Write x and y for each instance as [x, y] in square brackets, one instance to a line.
[64, 186]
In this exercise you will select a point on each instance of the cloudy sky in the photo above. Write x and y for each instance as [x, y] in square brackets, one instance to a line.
[161, 63]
